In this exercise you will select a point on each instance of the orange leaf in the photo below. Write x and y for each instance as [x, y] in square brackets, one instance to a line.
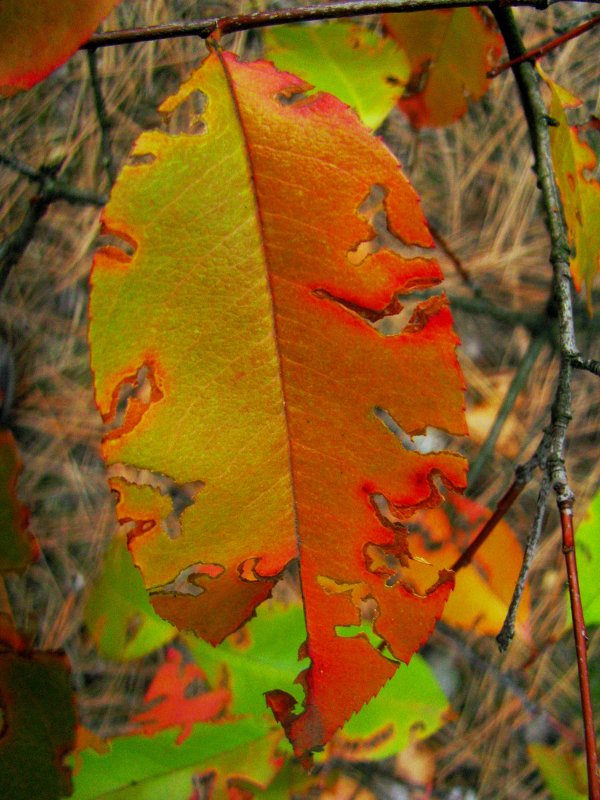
[171, 704]
[484, 588]
[247, 330]
[450, 51]
[39, 35]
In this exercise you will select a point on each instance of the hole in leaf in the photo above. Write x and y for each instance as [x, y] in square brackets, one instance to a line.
[183, 495]
[431, 442]
[187, 116]
[140, 159]
[189, 580]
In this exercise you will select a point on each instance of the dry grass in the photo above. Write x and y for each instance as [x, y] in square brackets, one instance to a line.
[479, 191]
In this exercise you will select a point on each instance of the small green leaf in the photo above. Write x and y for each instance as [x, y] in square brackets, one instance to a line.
[262, 656]
[412, 698]
[563, 774]
[587, 541]
[119, 614]
[354, 64]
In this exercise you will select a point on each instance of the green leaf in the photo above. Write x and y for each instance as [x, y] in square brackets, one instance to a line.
[382, 728]
[564, 775]
[263, 655]
[155, 768]
[119, 614]
[354, 64]
[587, 541]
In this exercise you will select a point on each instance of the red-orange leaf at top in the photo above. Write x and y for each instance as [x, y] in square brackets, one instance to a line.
[245, 322]
[39, 35]
[450, 52]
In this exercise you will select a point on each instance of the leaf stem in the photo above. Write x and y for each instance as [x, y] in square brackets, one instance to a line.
[262, 19]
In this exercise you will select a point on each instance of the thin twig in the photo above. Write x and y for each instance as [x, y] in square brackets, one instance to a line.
[103, 119]
[523, 474]
[538, 123]
[458, 265]
[581, 640]
[15, 244]
[589, 364]
[262, 19]
[507, 632]
[514, 390]
[52, 188]
[547, 47]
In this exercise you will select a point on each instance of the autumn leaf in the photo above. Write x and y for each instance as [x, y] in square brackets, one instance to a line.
[37, 719]
[39, 35]
[349, 61]
[118, 613]
[155, 767]
[450, 52]
[440, 535]
[580, 194]
[17, 546]
[171, 701]
[244, 331]
[263, 655]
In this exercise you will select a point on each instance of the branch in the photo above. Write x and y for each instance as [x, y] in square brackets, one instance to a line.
[537, 120]
[15, 244]
[262, 19]
[547, 47]
[103, 120]
[50, 190]
[50, 187]
[507, 632]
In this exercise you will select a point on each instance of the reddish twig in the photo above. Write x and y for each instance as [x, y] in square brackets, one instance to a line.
[505, 502]
[547, 47]
[581, 639]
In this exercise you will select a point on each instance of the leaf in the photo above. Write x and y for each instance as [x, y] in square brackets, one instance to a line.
[440, 535]
[580, 195]
[17, 546]
[263, 655]
[349, 61]
[172, 706]
[587, 542]
[450, 52]
[37, 720]
[29, 51]
[118, 613]
[246, 332]
[154, 767]
[564, 775]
